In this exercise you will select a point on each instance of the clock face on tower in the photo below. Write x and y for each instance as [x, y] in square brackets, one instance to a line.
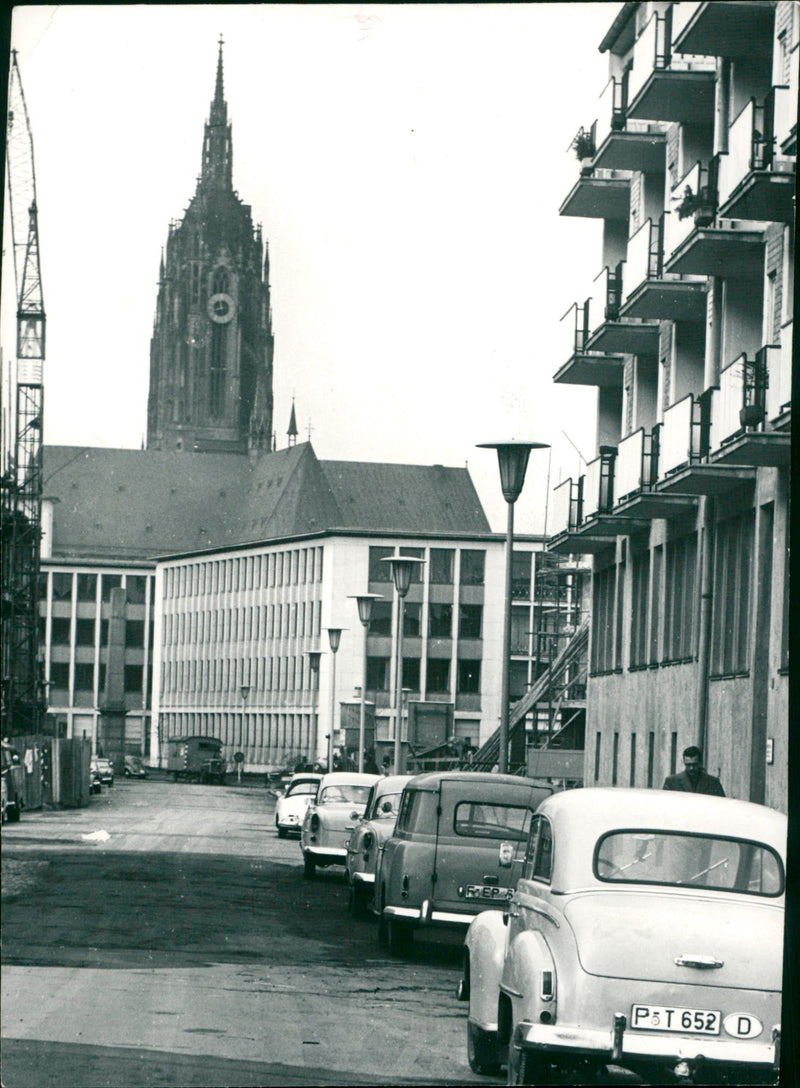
[220, 308]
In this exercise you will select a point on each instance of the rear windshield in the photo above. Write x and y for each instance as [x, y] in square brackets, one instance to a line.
[479, 820]
[684, 860]
[350, 794]
[302, 787]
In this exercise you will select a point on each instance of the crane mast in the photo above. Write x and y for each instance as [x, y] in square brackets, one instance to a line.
[23, 703]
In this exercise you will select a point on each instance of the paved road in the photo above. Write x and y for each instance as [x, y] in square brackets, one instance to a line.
[182, 946]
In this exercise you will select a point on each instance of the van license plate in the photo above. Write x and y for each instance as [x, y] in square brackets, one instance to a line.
[670, 1018]
[486, 891]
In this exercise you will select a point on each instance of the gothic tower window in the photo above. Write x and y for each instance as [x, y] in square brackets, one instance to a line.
[217, 383]
[220, 282]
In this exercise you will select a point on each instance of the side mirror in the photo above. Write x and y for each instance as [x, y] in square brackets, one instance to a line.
[506, 855]
[355, 815]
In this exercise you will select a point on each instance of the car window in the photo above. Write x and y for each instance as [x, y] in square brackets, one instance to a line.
[539, 856]
[302, 787]
[387, 805]
[481, 820]
[346, 793]
[688, 860]
[418, 812]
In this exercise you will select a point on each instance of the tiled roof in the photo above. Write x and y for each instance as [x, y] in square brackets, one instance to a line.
[113, 503]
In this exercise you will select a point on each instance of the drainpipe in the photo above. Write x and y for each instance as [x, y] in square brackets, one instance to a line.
[704, 626]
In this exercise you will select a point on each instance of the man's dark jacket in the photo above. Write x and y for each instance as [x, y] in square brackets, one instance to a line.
[706, 783]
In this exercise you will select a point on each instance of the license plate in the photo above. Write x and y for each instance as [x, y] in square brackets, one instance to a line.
[672, 1018]
[486, 891]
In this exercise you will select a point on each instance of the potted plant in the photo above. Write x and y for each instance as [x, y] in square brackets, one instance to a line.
[700, 205]
[583, 146]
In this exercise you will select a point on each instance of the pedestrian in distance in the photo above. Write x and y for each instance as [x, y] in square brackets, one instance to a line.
[694, 778]
[370, 766]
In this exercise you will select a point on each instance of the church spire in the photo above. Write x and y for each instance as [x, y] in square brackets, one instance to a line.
[217, 142]
[292, 432]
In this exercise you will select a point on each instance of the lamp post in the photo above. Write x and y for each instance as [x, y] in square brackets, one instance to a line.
[244, 691]
[402, 567]
[364, 601]
[512, 459]
[313, 663]
[334, 637]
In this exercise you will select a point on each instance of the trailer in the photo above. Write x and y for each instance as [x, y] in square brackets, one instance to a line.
[196, 757]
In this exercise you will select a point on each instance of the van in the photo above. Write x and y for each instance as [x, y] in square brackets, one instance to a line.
[196, 757]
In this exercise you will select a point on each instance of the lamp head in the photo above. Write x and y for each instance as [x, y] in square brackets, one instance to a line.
[334, 637]
[313, 659]
[364, 601]
[402, 567]
[512, 459]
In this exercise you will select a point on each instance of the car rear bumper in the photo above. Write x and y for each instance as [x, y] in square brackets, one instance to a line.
[428, 914]
[330, 853]
[653, 1047]
[363, 878]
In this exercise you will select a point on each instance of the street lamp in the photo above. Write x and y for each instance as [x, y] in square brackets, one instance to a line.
[313, 664]
[334, 637]
[244, 739]
[402, 567]
[364, 601]
[512, 459]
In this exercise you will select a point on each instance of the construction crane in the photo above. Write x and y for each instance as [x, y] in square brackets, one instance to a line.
[23, 703]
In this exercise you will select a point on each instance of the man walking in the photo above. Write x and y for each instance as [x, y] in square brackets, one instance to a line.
[694, 779]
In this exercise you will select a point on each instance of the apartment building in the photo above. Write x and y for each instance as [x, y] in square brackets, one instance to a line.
[688, 159]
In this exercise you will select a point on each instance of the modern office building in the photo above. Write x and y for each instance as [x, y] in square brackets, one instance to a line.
[688, 159]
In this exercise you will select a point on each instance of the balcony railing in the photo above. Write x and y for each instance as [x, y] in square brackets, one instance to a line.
[575, 329]
[779, 372]
[636, 467]
[609, 282]
[611, 111]
[560, 506]
[644, 259]
[786, 126]
[683, 437]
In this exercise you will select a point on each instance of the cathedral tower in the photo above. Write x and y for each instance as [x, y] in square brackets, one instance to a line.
[212, 345]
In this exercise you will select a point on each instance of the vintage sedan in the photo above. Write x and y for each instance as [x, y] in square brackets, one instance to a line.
[441, 867]
[645, 934]
[290, 808]
[332, 816]
[365, 845]
[102, 769]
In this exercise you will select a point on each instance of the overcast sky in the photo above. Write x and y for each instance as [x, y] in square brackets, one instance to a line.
[407, 163]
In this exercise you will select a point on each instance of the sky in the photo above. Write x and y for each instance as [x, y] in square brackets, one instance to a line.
[406, 162]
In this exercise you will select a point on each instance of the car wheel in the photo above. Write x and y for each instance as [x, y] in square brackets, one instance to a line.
[127, 773]
[309, 866]
[282, 832]
[13, 813]
[359, 899]
[483, 1051]
[527, 1067]
[400, 936]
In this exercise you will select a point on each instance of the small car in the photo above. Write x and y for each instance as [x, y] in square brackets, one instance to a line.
[329, 819]
[134, 768]
[291, 807]
[645, 935]
[441, 867]
[365, 845]
[102, 769]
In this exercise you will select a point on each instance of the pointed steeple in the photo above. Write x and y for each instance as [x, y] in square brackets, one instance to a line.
[217, 142]
[292, 432]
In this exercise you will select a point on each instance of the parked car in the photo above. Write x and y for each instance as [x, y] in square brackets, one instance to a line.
[645, 932]
[13, 776]
[365, 845]
[441, 867]
[102, 769]
[134, 768]
[339, 804]
[291, 807]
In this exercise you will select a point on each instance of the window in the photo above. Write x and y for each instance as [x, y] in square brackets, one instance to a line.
[134, 588]
[602, 630]
[416, 568]
[679, 602]
[62, 586]
[412, 615]
[520, 630]
[469, 677]
[380, 622]
[440, 620]
[109, 582]
[442, 566]
[220, 282]
[134, 677]
[639, 591]
[482, 820]
[469, 621]
[473, 564]
[84, 632]
[651, 742]
[521, 575]
[517, 679]
[84, 677]
[411, 673]
[598, 739]
[59, 675]
[656, 596]
[377, 674]
[632, 779]
[378, 570]
[539, 864]
[614, 759]
[59, 632]
[732, 577]
[87, 587]
[438, 674]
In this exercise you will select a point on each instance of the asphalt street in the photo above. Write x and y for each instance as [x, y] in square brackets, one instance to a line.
[164, 936]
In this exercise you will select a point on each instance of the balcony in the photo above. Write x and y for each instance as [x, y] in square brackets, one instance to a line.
[564, 516]
[649, 292]
[585, 367]
[778, 399]
[636, 472]
[755, 180]
[683, 452]
[696, 243]
[738, 435]
[623, 144]
[664, 86]
[722, 29]
[618, 336]
[599, 194]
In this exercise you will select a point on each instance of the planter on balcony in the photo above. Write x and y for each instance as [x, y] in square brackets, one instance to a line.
[751, 415]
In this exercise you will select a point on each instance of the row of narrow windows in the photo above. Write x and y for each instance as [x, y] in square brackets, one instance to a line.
[300, 566]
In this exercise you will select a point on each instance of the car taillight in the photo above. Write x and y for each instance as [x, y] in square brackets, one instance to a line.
[315, 822]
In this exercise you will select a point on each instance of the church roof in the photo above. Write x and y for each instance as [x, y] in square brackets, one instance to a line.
[135, 504]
